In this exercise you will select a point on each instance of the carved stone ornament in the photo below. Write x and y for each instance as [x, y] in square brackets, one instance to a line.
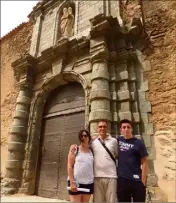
[67, 22]
[131, 11]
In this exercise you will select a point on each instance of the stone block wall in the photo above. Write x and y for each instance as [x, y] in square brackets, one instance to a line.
[159, 66]
[46, 29]
[87, 10]
[13, 46]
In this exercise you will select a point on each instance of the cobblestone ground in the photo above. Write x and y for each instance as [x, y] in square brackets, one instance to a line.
[27, 198]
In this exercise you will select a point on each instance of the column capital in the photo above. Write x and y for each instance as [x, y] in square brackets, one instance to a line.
[23, 67]
[100, 55]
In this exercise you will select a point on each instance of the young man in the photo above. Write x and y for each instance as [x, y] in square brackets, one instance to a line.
[132, 166]
[105, 181]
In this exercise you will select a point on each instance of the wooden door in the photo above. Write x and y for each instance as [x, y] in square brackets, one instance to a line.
[63, 119]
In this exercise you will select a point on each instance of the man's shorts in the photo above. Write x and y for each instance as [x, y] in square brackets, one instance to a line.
[86, 186]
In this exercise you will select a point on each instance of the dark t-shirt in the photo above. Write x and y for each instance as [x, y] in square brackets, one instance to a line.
[130, 152]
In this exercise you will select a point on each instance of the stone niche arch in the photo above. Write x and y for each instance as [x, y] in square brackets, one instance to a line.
[59, 20]
[35, 122]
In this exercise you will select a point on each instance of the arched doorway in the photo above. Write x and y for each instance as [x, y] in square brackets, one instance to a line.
[63, 117]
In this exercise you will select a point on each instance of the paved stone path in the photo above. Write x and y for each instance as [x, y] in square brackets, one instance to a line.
[27, 198]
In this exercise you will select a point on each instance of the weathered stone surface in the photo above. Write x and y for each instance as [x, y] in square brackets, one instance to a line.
[13, 46]
[156, 194]
[119, 90]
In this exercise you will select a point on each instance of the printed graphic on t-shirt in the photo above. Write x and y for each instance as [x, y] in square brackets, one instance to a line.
[125, 146]
[136, 176]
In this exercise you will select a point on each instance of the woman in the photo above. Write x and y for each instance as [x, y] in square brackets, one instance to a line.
[80, 169]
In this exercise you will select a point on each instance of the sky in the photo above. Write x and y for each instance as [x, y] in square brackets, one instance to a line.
[13, 13]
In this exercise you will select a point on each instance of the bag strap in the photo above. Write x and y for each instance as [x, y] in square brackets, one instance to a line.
[103, 144]
[77, 150]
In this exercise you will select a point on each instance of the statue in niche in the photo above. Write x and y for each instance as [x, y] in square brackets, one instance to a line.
[67, 22]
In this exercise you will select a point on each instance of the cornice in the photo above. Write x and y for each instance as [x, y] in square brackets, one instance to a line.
[21, 65]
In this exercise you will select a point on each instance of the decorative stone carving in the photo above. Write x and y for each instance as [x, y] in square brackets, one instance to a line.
[131, 11]
[67, 22]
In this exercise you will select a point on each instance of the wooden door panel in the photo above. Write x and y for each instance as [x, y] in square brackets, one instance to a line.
[60, 130]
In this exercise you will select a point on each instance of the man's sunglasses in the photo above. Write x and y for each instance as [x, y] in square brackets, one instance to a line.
[102, 126]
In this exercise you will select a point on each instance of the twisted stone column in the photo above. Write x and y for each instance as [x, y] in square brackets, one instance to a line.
[24, 68]
[16, 147]
[100, 94]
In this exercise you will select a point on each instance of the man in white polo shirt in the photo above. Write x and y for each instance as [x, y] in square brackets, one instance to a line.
[105, 182]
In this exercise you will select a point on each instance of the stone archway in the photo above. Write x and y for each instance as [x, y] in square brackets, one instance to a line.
[35, 122]
[63, 117]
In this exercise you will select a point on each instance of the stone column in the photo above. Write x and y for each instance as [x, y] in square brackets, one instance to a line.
[16, 147]
[100, 94]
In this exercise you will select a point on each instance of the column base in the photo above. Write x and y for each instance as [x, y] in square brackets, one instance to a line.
[156, 194]
[10, 186]
[8, 191]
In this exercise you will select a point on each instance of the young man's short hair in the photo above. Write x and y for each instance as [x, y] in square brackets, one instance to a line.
[125, 121]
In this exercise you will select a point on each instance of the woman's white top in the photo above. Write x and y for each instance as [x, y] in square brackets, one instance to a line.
[83, 167]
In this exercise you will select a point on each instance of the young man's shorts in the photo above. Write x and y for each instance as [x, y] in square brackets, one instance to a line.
[86, 186]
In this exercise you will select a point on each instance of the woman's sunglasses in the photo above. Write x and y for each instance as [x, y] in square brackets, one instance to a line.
[84, 135]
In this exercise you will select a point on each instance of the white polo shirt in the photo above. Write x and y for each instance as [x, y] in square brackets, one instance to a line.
[104, 166]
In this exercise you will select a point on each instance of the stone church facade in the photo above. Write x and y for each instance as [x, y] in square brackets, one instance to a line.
[85, 63]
